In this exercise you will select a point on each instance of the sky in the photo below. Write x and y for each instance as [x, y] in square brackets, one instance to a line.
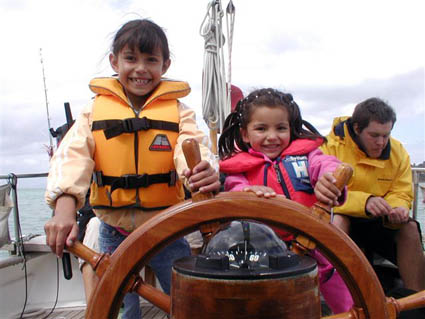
[330, 55]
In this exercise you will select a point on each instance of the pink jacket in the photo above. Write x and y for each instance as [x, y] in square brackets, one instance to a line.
[298, 168]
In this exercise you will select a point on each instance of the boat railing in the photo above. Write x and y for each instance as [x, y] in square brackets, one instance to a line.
[12, 179]
[418, 177]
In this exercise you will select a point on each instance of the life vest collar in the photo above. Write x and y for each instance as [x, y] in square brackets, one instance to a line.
[166, 90]
[169, 90]
[297, 147]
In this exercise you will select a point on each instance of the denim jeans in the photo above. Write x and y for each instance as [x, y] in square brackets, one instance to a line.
[161, 263]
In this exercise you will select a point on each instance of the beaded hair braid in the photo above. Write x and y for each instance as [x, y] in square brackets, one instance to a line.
[231, 140]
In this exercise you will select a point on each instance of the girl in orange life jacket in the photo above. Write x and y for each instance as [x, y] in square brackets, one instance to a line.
[265, 149]
[129, 137]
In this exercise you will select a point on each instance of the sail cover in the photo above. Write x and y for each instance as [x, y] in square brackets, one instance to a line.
[5, 208]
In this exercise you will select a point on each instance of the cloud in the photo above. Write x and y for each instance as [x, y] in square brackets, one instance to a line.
[405, 92]
[330, 55]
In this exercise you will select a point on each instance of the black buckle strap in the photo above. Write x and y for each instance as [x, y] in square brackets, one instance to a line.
[131, 181]
[112, 128]
[135, 124]
[129, 125]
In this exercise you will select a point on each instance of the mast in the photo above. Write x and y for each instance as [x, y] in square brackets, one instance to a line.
[50, 146]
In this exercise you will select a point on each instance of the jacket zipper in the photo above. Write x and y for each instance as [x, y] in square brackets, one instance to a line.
[280, 179]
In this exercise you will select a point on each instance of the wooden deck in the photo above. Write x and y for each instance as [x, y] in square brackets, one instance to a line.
[149, 312]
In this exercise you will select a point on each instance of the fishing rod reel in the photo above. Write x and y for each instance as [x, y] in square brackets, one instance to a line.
[60, 132]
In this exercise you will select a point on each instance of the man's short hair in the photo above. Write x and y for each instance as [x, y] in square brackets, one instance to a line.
[372, 109]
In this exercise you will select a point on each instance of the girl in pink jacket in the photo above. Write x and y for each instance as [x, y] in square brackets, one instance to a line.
[265, 149]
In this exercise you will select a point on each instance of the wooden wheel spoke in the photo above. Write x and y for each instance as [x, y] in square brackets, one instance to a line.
[182, 219]
[206, 213]
[152, 294]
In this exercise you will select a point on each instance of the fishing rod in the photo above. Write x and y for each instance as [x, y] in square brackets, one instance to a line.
[50, 146]
[59, 133]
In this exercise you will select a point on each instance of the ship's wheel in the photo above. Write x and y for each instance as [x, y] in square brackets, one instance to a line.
[119, 272]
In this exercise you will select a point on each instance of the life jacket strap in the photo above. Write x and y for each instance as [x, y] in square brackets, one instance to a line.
[112, 128]
[131, 181]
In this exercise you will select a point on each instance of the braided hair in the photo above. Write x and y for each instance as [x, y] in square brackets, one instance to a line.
[231, 141]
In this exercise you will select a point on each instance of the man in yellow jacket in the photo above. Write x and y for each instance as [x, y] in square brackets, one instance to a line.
[380, 192]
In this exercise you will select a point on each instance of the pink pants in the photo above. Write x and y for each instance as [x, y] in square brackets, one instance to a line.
[331, 285]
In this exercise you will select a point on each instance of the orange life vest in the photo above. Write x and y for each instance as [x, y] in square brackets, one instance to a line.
[133, 156]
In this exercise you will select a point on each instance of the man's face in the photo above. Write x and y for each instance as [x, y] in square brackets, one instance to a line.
[374, 137]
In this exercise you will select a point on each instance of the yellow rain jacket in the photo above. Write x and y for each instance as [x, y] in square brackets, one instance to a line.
[389, 177]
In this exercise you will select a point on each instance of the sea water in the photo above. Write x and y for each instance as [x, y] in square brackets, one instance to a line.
[34, 213]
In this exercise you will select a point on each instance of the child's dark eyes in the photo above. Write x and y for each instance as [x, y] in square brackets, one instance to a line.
[132, 58]
[280, 129]
[129, 58]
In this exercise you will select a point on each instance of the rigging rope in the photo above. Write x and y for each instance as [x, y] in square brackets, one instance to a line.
[215, 105]
[230, 23]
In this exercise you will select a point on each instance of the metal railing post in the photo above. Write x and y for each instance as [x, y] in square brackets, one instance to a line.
[13, 180]
[415, 194]
[416, 171]
[18, 239]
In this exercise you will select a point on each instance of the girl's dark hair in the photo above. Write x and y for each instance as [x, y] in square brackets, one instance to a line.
[142, 34]
[372, 109]
[231, 140]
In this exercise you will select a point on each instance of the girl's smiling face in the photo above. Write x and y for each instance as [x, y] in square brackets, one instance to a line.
[268, 130]
[139, 73]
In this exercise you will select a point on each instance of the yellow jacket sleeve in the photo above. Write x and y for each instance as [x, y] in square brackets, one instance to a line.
[401, 192]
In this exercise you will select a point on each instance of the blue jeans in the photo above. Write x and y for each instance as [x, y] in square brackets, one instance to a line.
[161, 263]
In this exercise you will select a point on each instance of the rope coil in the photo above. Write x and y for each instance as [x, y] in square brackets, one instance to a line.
[216, 94]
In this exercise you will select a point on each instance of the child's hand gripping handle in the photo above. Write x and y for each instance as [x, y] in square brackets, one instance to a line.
[342, 175]
[193, 157]
[192, 154]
